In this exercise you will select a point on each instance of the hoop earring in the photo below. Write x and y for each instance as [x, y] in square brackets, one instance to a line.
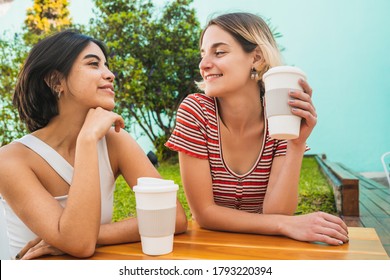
[254, 74]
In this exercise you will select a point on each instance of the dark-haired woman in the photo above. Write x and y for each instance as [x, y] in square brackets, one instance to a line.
[57, 182]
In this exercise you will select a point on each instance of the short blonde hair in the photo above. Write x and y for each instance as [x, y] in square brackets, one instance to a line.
[250, 31]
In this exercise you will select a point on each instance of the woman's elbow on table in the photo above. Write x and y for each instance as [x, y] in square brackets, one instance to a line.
[82, 247]
[181, 221]
[83, 250]
[181, 224]
[205, 219]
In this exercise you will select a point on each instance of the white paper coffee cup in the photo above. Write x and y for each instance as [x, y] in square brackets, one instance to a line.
[278, 81]
[156, 214]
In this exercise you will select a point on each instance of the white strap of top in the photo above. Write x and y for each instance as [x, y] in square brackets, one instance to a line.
[55, 160]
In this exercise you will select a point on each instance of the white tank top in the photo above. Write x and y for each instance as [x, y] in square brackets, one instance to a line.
[18, 233]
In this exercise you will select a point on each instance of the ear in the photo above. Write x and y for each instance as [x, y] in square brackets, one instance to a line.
[258, 58]
[53, 81]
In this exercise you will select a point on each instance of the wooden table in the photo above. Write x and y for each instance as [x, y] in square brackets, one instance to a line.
[202, 244]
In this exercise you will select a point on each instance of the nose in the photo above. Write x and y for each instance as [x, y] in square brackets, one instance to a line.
[205, 63]
[108, 75]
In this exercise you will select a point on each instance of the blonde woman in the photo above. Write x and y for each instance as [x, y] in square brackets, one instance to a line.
[236, 177]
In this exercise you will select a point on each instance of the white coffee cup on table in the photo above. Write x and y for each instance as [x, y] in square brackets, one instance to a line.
[156, 214]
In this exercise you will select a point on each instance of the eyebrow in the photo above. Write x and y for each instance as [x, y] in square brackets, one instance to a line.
[216, 45]
[94, 56]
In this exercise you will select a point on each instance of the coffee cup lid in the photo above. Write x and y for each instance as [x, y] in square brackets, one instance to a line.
[155, 189]
[151, 181]
[149, 185]
[284, 69]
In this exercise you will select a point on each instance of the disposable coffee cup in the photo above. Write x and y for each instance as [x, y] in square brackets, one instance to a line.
[278, 81]
[156, 213]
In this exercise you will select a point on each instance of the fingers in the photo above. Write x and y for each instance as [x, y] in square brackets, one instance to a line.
[330, 229]
[337, 230]
[305, 86]
[302, 101]
[328, 240]
[39, 251]
[28, 246]
[332, 235]
[99, 121]
[116, 119]
[303, 95]
[35, 253]
[335, 220]
[119, 123]
[302, 104]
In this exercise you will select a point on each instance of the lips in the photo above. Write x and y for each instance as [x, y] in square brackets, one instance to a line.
[108, 86]
[211, 76]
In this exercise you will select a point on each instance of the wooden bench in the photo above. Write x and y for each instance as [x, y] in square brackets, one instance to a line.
[374, 199]
[345, 186]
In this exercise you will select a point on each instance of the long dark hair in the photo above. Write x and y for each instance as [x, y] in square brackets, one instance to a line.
[53, 56]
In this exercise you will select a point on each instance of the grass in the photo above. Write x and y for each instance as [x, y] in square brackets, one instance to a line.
[315, 194]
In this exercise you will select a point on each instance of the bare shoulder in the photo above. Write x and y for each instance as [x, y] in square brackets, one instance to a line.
[13, 154]
[15, 159]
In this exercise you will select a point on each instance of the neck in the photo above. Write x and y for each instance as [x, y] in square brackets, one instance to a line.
[62, 131]
[241, 111]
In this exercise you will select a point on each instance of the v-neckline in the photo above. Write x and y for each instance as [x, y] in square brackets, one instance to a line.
[239, 176]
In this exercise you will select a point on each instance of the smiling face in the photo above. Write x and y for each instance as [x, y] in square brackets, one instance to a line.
[225, 67]
[90, 82]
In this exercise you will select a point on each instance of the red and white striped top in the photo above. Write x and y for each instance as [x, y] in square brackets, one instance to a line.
[197, 134]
